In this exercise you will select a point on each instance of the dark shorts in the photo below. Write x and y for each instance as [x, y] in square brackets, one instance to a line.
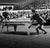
[40, 22]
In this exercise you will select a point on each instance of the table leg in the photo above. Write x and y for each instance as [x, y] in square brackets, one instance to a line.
[15, 27]
[7, 29]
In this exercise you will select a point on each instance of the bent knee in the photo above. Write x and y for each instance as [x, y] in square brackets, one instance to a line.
[38, 26]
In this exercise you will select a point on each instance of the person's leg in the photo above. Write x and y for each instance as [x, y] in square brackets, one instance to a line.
[41, 28]
[30, 25]
[37, 27]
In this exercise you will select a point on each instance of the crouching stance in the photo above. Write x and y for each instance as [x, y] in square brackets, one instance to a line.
[40, 21]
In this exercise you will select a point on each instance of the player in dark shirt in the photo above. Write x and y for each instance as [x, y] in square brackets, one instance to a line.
[40, 21]
[5, 14]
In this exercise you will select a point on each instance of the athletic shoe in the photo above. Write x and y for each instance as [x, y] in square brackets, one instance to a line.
[45, 32]
[29, 27]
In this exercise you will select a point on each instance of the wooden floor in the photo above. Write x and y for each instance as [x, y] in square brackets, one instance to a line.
[24, 41]
[21, 39]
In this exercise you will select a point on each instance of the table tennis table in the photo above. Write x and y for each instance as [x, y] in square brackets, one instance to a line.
[14, 23]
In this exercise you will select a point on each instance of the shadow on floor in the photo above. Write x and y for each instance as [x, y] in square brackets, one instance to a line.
[16, 33]
[35, 33]
[20, 33]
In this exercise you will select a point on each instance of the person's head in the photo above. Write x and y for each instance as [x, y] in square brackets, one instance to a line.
[33, 11]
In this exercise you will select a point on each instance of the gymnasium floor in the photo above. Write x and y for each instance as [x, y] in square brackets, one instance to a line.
[21, 39]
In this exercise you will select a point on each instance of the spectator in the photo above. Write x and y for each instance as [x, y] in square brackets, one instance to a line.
[5, 14]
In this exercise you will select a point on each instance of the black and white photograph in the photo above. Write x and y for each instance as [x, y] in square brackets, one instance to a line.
[24, 23]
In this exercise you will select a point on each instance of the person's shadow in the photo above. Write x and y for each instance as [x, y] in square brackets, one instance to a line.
[21, 33]
[34, 33]
[16, 33]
